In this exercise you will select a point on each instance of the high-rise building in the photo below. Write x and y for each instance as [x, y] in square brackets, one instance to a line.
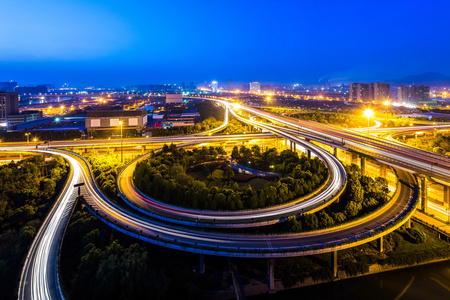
[353, 92]
[420, 94]
[371, 91]
[403, 94]
[230, 85]
[382, 91]
[255, 87]
[9, 105]
[214, 86]
[359, 92]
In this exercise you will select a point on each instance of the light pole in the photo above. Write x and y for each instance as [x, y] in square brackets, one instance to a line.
[121, 141]
[368, 113]
[28, 138]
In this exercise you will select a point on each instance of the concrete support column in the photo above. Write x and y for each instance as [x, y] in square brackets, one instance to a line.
[271, 274]
[408, 223]
[354, 158]
[383, 171]
[380, 244]
[363, 165]
[295, 147]
[20, 156]
[335, 152]
[424, 194]
[202, 264]
[446, 196]
[290, 142]
[308, 152]
[334, 265]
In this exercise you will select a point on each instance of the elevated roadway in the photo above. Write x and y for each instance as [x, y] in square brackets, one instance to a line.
[39, 278]
[246, 218]
[400, 156]
[238, 245]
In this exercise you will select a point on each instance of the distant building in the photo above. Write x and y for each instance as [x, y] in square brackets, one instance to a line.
[382, 91]
[8, 86]
[110, 119]
[214, 86]
[33, 90]
[359, 92]
[23, 117]
[230, 85]
[9, 105]
[371, 91]
[403, 94]
[420, 94]
[174, 98]
[353, 92]
[255, 87]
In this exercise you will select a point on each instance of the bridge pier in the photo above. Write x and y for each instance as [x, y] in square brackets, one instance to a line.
[380, 247]
[202, 264]
[334, 265]
[363, 165]
[423, 194]
[271, 274]
[354, 158]
[408, 223]
[383, 171]
[335, 152]
[446, 194]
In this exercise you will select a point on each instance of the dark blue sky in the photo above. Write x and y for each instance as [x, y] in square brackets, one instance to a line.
[118, 42]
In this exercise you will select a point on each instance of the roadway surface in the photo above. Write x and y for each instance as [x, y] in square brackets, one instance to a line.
[38, 283]
[396, 155]
[39, 278]
[236, 245]
[246, 218]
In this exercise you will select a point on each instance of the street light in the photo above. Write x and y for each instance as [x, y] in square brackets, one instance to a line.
[121, 141]
[28, 138]
[368, 113]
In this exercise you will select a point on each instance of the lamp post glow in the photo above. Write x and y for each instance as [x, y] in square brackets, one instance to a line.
[121, 141]
[368, 113]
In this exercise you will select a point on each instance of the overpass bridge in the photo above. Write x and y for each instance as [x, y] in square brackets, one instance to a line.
[372, 227]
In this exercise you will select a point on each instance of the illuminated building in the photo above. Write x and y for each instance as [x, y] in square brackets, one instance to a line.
[255, 87]
[110, 119]
[214, 86]
[174, 98]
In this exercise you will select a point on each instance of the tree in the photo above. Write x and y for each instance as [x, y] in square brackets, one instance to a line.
[352, 209]
[324, 219]
[310, 221]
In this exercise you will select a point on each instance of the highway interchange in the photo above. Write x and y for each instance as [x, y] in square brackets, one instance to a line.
[40, 280]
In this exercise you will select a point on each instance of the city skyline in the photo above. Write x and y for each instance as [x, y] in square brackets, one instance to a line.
[113, 43]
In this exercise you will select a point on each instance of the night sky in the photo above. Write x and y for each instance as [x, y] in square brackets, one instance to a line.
[118, 42]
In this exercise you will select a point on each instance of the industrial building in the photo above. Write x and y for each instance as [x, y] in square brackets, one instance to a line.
[111, 120]
[174, 98]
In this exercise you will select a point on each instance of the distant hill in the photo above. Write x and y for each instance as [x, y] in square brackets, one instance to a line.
[433, 78]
